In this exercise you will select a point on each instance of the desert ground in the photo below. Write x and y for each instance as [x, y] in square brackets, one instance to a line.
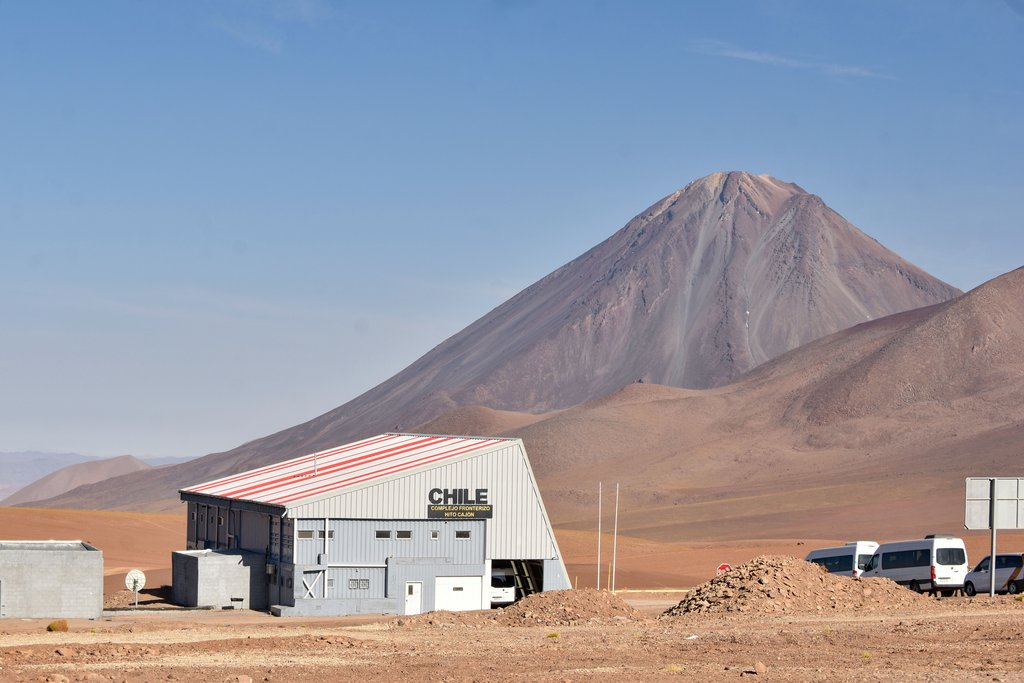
[584, 636]
[830, 633]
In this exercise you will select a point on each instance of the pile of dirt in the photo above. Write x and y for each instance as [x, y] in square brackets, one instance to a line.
[569, 608]
[777, 583]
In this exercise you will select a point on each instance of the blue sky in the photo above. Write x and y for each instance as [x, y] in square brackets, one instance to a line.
[219, 219]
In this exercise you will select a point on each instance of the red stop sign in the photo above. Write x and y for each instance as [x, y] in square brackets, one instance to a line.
[724, 567]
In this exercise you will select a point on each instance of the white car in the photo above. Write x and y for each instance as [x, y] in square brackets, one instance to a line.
[1009, 578]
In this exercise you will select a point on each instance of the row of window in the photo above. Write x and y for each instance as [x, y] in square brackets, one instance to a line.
[309, 533]
[381, 534]
[220, 519]
[353, 584]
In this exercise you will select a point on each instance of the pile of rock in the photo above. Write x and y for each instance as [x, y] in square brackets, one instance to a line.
[786, 584]
[568, 608]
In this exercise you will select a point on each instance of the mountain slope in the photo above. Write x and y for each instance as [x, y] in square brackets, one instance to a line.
[73, 476]
[709, 282]
[866, 433]
[24, 467]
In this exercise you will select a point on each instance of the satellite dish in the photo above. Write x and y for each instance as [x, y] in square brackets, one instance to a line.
[135, 580]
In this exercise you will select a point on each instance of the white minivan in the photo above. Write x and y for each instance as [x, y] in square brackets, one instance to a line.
[847, 560]
[937, 562]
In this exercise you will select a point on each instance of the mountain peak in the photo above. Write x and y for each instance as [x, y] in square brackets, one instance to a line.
[727, 273]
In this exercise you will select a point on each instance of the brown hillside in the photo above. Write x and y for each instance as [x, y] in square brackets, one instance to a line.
[730, 271]
[73, 476]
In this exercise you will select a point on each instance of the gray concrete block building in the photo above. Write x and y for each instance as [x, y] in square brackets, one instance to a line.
[393, 524]
[50, 580]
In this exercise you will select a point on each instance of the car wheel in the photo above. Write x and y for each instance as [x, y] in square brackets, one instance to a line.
[915, 586]
[969, 590]
[1012, 588]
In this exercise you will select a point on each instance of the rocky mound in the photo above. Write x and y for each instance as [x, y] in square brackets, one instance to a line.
[785, 584]
[568, 608]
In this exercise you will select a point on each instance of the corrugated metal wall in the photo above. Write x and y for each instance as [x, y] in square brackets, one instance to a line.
[519, 528]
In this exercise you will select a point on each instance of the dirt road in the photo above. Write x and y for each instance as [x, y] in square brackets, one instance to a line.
[953, 639]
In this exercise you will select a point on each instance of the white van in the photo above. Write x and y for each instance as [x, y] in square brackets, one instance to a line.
[934, 563]
[503, 587]
[846, 560]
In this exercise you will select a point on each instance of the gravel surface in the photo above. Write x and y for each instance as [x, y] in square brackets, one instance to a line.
[579, 636]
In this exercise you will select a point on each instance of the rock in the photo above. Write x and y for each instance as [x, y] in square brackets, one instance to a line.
[760, 669]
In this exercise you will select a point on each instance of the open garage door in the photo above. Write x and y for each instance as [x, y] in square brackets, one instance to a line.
[457, 593]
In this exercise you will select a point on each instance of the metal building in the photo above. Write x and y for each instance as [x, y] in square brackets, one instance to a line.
[393, 524]
[50, 580]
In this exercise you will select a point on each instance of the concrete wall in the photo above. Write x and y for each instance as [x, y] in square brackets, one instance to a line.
[50, 580]
[227, 578]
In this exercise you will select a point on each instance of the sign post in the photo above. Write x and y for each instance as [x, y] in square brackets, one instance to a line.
[722, 568]
[994, 503]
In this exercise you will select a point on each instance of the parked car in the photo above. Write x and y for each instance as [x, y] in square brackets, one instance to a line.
[937, 562]
[1008, 575]
[846, 560]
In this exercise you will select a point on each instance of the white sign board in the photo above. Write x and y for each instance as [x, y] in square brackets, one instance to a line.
[1009, 499]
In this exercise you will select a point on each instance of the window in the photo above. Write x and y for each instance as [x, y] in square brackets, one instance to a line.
[382, 533]
[193, 515]
[462, 534]
[200, 518]
[951, 556]
[305, 534]
[359, 584]
[1008, 561]
[330, 583]
[434, 534]
[404, 534]
[320, 533]
[220, 521]
[835, 563]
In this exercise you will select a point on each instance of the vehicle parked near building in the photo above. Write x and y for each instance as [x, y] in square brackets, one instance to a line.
[935, 563]
[503, 587]
[1009, 578]
[849, 559]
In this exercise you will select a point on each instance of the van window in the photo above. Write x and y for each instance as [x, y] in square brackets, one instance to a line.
[901, 559]
[950, 556]
[1008, 561]
[872, 563]
[982, 566]
[835, 563]
[862, 561]
[502, 580]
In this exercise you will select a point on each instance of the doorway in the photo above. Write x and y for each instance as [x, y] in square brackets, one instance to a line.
[413, 597]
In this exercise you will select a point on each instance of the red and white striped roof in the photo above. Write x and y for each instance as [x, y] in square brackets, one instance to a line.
[344, 467]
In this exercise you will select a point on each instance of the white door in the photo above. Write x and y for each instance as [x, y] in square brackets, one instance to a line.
[413, 597]
[457, 593]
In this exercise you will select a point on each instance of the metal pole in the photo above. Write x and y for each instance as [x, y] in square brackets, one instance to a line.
[598, 535]
[615, 536]
[992, 523]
